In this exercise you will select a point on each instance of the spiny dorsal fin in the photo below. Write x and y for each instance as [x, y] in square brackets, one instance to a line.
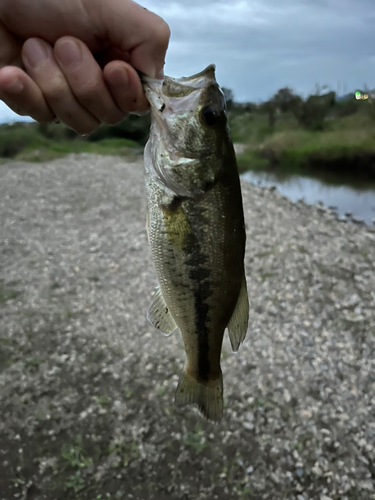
[159, 315]
[237, 326]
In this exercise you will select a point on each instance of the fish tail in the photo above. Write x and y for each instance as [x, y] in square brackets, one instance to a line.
[207, 395]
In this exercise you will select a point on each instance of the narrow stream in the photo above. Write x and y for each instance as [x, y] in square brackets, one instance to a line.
[358, 202]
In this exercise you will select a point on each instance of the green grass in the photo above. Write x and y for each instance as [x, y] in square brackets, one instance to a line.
[251, 160]
[196, 440]
[52, 150]
[248, 128]
[14, 138]
[44, 142]
[7, 294]
[347, 145]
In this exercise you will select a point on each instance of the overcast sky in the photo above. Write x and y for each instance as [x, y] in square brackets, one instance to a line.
[260, 46]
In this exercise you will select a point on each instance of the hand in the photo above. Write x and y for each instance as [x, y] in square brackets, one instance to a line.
[76, 60]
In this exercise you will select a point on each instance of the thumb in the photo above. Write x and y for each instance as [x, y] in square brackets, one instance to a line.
[137, 31]
[149, 56]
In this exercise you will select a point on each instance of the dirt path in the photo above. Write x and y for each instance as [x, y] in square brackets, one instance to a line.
[86, 384]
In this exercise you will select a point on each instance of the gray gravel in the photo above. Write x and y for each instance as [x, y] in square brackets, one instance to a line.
[86, 384]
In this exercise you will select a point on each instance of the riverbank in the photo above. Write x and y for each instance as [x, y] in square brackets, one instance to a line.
[86, 384]
[344, 152]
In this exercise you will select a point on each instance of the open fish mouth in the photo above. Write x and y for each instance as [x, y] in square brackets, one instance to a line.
[177, 95]
[176, 87]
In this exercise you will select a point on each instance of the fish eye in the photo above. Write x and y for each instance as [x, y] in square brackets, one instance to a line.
[209, 116]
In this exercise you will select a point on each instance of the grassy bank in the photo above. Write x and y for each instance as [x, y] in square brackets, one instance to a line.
[45, 142]
[345, 148]
[52, 150]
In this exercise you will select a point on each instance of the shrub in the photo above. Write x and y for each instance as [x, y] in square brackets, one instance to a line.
[16, 137]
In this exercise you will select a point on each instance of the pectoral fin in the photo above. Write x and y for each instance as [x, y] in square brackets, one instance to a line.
[159, 316]
[237, 326]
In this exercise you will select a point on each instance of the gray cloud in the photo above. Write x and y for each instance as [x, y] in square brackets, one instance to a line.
[261, 46]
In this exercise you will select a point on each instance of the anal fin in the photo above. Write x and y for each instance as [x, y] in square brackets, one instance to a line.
[237, 326]
[159, 315]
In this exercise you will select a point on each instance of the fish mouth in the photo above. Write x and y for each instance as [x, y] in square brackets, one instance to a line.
[159, 92]
[180, 87]
[173, 97]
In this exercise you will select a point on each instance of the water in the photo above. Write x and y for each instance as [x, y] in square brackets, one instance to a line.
[359, 202]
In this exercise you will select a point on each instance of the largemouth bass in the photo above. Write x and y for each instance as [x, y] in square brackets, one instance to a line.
[196, 230]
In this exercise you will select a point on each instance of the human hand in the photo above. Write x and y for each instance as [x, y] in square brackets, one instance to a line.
[76, 60]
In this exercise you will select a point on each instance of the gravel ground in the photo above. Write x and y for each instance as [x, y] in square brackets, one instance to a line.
[87, 385]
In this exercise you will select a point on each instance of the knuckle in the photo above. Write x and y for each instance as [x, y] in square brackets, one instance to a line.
[56, 92]
[88, 93]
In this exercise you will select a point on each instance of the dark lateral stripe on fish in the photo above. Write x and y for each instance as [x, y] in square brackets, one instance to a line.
[201, 311]
[200, 274]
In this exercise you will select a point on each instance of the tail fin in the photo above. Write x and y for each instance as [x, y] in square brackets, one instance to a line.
[208, 395]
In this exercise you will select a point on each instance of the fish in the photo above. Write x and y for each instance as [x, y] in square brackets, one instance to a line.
[196, 230]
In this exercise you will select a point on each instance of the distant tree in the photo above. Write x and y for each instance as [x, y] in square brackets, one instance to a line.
[312, 113]
[250, 107]
[371, 107]
[229, 97]
[133, 127]
[285, 99]
[270, 108]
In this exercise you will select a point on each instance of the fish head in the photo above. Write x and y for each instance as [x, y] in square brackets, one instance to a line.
[189, 131]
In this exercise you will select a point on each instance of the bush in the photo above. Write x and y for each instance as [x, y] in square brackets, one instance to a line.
[56, 131]
[345, 108]
[16, 137]
[38, 142]
[134, 127]
[311, 114]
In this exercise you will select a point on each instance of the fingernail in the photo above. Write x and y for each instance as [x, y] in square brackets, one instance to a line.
[15, 87]
[119, 78]
[36, 52]
[69, 53]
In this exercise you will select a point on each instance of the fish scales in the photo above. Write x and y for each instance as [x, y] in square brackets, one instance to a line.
[196, 230]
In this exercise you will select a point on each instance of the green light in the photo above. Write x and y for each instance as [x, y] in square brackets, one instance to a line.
[358, 94]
